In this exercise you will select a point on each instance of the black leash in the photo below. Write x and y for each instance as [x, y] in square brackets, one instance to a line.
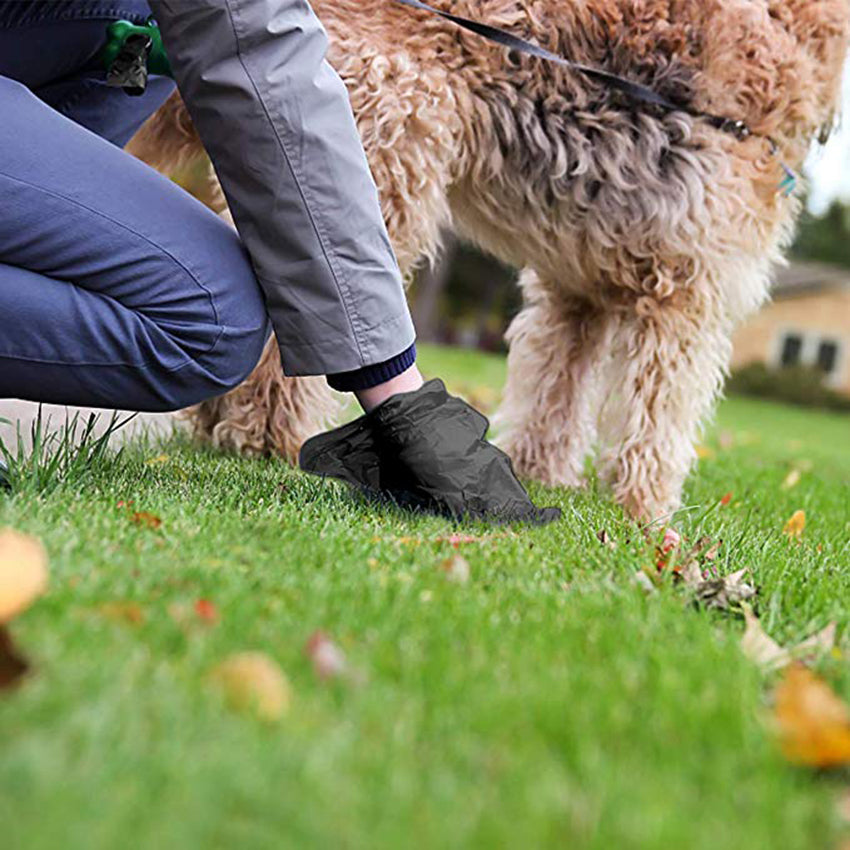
[635, 91]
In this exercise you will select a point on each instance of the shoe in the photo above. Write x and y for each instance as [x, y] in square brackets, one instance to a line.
[426, 451]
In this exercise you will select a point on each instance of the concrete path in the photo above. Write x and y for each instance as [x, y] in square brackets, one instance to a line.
[24, 412]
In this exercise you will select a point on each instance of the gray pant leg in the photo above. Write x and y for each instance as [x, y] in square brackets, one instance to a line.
[276, 121]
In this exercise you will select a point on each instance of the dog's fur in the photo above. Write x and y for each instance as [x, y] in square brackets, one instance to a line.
[645, 237]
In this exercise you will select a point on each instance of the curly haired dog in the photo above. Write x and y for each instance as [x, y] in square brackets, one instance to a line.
[645, 236]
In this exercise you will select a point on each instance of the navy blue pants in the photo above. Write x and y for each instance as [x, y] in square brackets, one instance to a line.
[117, 288]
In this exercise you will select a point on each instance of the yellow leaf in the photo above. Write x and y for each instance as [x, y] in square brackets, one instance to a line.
[704, 453]
[813, 723]
[795, 526]
[23, 573]
[251, 681]
[158, 460]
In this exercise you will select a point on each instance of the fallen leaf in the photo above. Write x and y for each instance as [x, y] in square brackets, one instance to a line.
[724, 593]
[767, 653]
[158, 460]
[122, 612]
[691, 573]
[758, 646]
[456, 569]
[704, 453]
[813, 723]
[206, 611]
[145, 519]
[645, 583]
[605, 539]
[253, 682]
[792, 479]
[23, 573]
[842, 808]
[458, 540]
[672, 540]
[689, 568]
[328, 659]
[13, 666]
[795, 526]
[817, 645]
[669, 543]
[713, 552]
[727, 499]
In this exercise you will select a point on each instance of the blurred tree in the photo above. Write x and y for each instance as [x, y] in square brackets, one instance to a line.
[825, 239]
[467, 299]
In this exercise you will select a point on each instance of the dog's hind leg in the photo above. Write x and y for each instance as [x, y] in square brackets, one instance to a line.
[670, 356]
[550, 403]
[267, 413]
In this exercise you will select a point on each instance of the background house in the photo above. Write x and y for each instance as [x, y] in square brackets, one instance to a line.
[806, 324]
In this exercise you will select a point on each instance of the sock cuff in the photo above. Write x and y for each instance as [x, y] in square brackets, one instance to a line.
[371, 376]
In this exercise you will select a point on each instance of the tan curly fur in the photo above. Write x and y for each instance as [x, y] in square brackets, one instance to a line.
[645, 237]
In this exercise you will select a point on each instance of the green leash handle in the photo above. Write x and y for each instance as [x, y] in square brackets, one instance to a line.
[143, 40]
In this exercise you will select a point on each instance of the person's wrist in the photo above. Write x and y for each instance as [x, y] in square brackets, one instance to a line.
[407, 382]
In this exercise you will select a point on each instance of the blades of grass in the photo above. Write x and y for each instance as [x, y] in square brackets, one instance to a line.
[60, 457]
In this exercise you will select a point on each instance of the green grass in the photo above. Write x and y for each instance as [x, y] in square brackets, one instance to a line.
[548, 702]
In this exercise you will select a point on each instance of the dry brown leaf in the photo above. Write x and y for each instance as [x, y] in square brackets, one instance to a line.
[23, 573]
[13, 666]
[714, 551]
[758, 646]
[122, 612]
[456, 569]
[645, 583]
[724, 593]
[767, 653]
[606, 539]
[691, 574]
[813, 723]
[795, 526]
[145, 519]
[251, 681]
[817, 645]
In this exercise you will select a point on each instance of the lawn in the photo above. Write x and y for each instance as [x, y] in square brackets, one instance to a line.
[549, 701]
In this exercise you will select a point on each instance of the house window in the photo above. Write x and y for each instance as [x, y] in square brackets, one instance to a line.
[792, 350]
[827, 356]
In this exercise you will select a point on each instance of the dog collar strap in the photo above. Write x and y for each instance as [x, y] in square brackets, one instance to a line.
[133, 51]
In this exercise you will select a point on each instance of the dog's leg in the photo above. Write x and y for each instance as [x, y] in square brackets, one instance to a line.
[669, 360]
[550, 401]
[268, 412]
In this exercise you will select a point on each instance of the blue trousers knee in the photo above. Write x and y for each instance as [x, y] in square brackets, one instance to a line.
[117, 288]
